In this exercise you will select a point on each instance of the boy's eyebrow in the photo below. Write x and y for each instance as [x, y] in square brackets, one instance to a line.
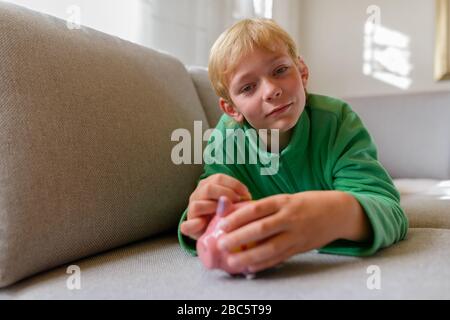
[243, 77]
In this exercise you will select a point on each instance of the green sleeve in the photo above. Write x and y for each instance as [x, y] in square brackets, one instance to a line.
[186, 243]
[355, 169]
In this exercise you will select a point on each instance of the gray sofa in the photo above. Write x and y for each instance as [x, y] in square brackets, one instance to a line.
[86, 178]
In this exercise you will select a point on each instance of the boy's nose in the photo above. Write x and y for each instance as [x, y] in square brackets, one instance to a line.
[272, 92]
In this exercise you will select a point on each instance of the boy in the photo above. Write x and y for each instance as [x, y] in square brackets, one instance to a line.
[330, 192]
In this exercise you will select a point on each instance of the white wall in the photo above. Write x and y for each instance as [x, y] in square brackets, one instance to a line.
[330, 34]
[184, 28]
[188, 28]
[288, 14]
[333, 44]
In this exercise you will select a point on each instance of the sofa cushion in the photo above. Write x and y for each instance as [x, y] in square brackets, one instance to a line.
[206, 93]
[85, 142]
[416, 268]
[426, 202]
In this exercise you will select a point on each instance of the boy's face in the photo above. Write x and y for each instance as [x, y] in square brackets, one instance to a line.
[268, 90]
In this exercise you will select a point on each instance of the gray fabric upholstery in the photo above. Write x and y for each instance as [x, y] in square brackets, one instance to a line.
[417, 268]
[426, 202]
[426, 211]
[206, 93]
[85, 150]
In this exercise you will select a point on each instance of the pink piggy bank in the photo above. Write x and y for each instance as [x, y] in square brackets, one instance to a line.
[209, 254]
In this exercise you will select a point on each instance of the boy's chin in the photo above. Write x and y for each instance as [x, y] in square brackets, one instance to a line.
[284, 125]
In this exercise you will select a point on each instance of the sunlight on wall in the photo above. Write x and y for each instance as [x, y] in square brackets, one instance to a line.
[445, 185]
[263, 8]
[387, 55]
[251, 8]
[115, 17]
[438, 190]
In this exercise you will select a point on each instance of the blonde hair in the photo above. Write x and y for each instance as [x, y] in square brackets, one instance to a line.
[239, 40]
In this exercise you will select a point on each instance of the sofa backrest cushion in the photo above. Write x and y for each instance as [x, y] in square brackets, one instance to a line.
[206, 93]
[85, 142]
[412, 132]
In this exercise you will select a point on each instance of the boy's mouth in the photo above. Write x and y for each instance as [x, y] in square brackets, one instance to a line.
[280, 109]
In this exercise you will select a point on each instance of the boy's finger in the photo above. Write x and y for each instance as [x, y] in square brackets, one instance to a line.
[232, 183]
[251, 233]
[200, 208]
[271, 262]
[264, 256]
[249, 213]
[197, 235]
[193, 227]
[214, 192]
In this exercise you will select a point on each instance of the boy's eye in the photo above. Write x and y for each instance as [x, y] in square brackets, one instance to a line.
[281, 70]
[246, 89]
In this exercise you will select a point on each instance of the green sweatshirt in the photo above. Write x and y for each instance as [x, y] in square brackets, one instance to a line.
[330, 149]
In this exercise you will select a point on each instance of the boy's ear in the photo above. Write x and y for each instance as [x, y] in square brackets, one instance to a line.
[231, 110]
[304, 71]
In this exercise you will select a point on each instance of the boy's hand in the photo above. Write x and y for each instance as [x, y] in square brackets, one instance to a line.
[203, 202]
[284, 225]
